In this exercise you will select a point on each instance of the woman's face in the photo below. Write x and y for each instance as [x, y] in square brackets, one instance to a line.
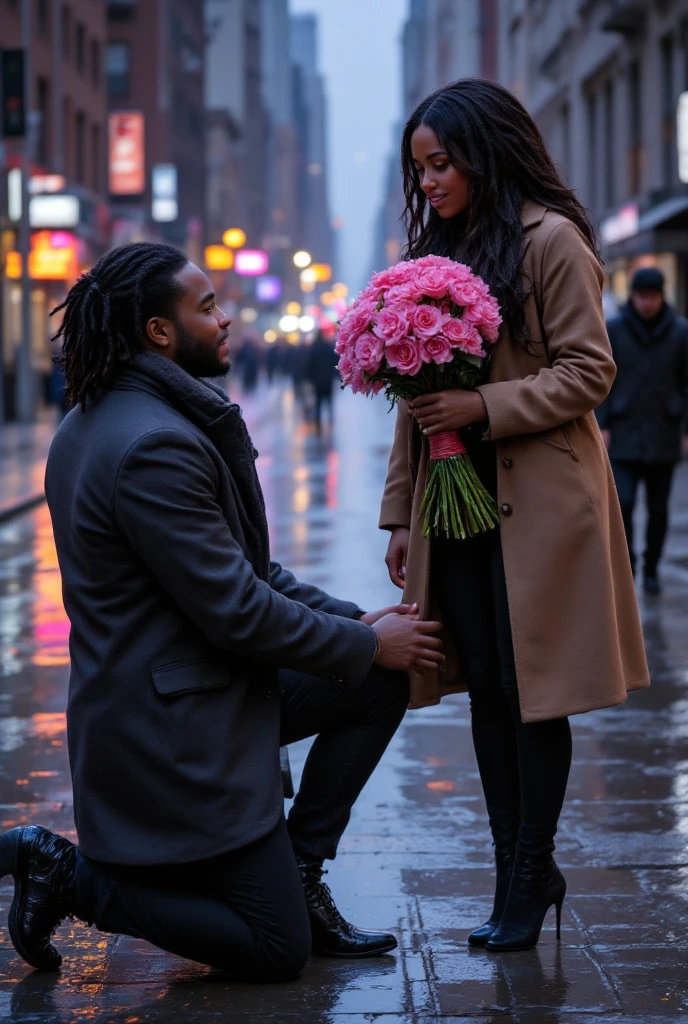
[443, 184]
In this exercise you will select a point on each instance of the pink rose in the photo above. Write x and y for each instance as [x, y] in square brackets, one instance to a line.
[462, 335]
[465, 292]
[486, 317]
[358, 383]
[406, 356]
[369, 352]
[437, 350]
[358, 318]
[435, 282]
[391, 325]
[346, 369]
[427, 320]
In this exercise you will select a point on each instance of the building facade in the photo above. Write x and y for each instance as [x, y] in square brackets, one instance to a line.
[155, 65]
[66, 131]
[603, 79]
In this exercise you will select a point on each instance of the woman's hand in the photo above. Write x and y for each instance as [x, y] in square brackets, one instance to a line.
[370, 618]
[448, 410]
[397, 550]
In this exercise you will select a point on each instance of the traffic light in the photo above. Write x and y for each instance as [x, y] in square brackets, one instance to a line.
[12, 92]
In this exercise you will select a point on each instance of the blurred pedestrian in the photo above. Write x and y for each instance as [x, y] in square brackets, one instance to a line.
[296, 357]
[273, 361]
[541, 611]
[643, 420]
[193, 656]
[247, 364]
[321, 371]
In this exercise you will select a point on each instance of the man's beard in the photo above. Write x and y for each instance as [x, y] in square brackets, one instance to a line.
[196, 358]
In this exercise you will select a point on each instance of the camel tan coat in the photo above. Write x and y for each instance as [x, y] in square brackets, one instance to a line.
[577, 639]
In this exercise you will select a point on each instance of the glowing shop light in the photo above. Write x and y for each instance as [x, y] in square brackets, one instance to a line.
[234, 238]
[289, 324]
[302, 259]
[251, 262]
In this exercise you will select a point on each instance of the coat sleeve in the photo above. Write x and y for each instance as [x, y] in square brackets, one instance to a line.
[602, 410]
[166, 506]
[397, 498]
[285, 582]
[581, 367]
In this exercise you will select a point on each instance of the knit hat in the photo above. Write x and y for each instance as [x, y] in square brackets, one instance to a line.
[648, 279]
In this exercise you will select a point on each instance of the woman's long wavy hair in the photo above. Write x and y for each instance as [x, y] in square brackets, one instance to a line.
[106, 311]
[491, 139]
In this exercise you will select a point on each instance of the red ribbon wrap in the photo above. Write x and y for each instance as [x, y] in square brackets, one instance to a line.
[446, 444]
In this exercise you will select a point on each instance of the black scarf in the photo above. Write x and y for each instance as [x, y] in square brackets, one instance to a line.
[208, 406]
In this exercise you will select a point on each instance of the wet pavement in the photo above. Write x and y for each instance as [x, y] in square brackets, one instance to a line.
[416, 856]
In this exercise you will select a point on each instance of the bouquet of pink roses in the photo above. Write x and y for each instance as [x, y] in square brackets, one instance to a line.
[424, 326]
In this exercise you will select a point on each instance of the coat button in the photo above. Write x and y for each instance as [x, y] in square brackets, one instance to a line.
[507, 463]
[505, 509]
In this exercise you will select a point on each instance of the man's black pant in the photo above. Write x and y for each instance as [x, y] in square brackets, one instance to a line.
[244, 912]
[657, 477]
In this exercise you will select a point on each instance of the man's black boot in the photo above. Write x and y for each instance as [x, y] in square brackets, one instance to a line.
[332, 935]
[43, 866]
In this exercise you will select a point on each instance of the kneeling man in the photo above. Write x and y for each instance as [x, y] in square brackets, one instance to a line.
[193, 657]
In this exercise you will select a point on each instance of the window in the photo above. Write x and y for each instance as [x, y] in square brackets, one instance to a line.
[592, 150]
[609, 143]
[566, 139]
[117, 69]
[95, 63]
[43, 95]
[668, 113]
[95, 158]
[635, 130]
[80, 147]
[66, 31]
[43, 17]
[80, 39]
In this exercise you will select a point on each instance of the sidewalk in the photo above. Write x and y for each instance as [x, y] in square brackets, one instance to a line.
[23, 451]
[416, 856]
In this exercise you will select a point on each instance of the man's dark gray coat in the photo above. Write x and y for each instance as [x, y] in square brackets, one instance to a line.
[179, 622]
[646, 407]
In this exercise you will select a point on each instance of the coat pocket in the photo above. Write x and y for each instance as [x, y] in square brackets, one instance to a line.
[558, 438]
[189, 677]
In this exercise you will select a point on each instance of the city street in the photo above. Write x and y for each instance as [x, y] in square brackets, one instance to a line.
[417, 856]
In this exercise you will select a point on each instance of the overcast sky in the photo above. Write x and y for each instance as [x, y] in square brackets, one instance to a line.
[360, 57]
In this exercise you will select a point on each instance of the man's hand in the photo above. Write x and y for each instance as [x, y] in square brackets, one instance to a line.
[397, 550]
[370, 618]
[448, 410]
[606, 438]
[406, 644]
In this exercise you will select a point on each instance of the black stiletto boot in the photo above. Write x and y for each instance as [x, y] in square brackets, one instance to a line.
[536, 885]
[504, 860]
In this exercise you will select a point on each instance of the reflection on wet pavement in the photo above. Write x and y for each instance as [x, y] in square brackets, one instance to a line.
[417, 855]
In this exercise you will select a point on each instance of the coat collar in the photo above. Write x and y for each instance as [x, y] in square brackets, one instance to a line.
[532, 214]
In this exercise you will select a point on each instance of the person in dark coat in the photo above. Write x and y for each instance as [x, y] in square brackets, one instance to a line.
[247, 363]
[193, 657]
[321, 371]
[643, 420]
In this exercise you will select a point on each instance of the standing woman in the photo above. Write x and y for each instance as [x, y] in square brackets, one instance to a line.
[540, 614]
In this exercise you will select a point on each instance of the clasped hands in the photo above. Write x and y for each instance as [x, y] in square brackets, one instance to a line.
[448, 410]
[405, 642]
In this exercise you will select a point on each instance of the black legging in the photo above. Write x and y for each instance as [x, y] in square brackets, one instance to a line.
[524, 768]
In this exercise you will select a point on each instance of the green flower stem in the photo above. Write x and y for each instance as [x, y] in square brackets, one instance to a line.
[455, 504]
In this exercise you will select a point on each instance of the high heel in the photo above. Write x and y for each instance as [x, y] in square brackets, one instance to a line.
[536, 885]
[504, 860]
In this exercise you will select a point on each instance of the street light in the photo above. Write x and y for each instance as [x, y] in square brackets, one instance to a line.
[302, 259]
